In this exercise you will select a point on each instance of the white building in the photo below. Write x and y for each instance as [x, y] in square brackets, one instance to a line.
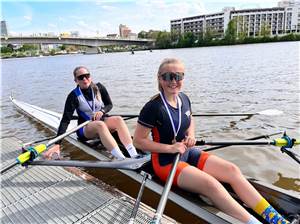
[277, 20]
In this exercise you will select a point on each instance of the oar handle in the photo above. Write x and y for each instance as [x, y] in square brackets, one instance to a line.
[281, 142]
[36, 150]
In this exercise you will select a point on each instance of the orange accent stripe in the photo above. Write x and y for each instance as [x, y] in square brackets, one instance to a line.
[203, 157]
[155, 133]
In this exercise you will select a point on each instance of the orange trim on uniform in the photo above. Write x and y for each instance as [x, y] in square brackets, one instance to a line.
[202, 160]
[155, 135]
[163, 171]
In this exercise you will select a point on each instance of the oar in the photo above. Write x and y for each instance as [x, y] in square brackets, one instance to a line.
[276, 142]
[139, 197]
[285, 142]
[26, 156]
[37, 141]
[164, 197]
[269, 112]
[126, 164]
[253, 138]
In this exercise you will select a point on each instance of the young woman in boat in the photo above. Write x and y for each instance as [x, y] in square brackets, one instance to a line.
[169, 117]
[92, 102]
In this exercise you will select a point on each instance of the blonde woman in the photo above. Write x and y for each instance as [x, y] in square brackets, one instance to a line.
[168, 117]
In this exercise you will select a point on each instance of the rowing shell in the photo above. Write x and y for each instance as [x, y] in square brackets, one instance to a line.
[285, 201]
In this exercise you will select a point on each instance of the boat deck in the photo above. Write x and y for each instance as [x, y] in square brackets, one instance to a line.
[58, 195]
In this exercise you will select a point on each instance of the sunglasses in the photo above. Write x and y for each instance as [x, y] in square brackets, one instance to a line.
[169, 76]
[81, 77]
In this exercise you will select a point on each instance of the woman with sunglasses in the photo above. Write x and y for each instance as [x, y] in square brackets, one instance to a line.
[169, 117]
[92, 102]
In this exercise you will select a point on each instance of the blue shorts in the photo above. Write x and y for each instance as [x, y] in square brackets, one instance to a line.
[80, 135]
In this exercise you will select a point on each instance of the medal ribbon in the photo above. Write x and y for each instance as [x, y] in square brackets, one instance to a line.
[179, 104]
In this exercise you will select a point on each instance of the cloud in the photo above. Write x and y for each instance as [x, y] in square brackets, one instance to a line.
[28, 18]
[109, 8]
[82, 24]
[52, 25]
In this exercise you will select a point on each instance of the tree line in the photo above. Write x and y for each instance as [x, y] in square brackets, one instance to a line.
[234, 34]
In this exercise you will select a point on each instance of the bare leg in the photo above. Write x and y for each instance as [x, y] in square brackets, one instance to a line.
[197, 181]
[117, 123]
[99, 129]
[227, 172]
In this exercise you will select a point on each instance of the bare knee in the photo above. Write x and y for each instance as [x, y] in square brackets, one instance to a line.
[233, 174]
[213, 187]
[234, 170]
[100, 125]
[117, 119]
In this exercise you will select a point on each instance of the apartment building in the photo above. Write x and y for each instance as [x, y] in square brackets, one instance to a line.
[251, 22]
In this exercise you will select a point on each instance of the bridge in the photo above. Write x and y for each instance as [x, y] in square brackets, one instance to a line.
[82, 41]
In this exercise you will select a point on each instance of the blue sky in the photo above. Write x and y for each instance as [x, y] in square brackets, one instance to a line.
[101, 17]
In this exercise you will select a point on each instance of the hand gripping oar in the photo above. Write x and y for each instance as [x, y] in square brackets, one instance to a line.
[164, 197]
[33, 152]
[269, 112]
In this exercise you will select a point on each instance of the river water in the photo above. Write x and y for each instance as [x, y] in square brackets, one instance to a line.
[227, 79]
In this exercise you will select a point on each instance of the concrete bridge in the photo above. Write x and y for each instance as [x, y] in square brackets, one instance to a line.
[82, 41]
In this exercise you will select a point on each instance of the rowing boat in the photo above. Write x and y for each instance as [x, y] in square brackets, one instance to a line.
[286, 202]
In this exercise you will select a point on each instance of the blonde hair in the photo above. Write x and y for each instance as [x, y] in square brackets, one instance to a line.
[166, 61]
[93, 85]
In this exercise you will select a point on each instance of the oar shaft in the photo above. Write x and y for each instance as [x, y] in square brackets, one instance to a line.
[253, 138]
[60, 137]
[139, 197]
[224, 114]
[164, 197]
[277, 142]
[8, 167]
[202, 142]
[127, 164]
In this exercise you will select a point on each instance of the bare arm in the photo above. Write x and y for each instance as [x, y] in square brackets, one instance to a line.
[141, 141]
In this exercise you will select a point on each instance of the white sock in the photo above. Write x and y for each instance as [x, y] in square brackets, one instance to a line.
[116, 152]
[253, 220]
[131, 150]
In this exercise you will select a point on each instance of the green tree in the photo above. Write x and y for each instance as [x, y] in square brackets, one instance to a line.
[163, 40]
[265, 29]
[231, 31]
[62, 47]
[208, 37]
[29, 47]
[143, 34]
[7, 49]
[175, 35]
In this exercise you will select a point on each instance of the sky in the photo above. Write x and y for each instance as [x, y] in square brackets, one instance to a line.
[102, 17]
